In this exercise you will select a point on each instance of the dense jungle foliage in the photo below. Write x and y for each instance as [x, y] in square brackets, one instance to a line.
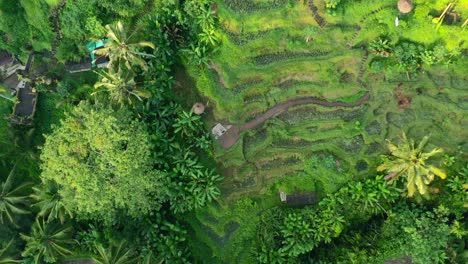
[355, 111]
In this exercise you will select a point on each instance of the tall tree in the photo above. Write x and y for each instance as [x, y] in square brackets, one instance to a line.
[11, 199]
[47, 242]
[101, 160]
[122, 50]
[410, 161]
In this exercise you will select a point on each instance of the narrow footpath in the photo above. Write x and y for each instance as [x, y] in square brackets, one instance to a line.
[233, 134]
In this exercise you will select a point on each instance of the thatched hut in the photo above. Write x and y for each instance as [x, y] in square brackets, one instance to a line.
[405, 6]
[198, 108]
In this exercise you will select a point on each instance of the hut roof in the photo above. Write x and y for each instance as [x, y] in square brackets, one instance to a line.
[405, 6]
[198, 108]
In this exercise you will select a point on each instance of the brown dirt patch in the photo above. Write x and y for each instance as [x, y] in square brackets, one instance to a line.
[404, 100]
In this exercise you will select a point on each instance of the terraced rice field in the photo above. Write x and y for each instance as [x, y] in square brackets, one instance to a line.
[275, 51]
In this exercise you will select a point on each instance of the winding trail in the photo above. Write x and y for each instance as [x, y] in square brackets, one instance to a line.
[56, 22]
[233, 134]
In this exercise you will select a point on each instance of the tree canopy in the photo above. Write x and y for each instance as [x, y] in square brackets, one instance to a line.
[102, 163]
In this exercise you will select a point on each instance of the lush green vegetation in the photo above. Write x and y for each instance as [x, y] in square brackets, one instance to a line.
[117, 167]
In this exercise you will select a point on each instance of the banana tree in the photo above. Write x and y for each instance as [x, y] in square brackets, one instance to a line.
[410, 161]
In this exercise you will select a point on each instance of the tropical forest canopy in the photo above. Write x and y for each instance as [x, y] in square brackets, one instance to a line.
[234, 131]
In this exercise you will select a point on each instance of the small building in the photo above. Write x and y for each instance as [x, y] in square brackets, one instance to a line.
[10, 68]
[81, 66]
[25, 107]
[298, 199]
[96, 60]
[9, 65]
[87, 64]
[218, 130]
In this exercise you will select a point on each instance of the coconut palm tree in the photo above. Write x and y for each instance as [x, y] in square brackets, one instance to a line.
[118, 254]
[11, 201]
[122, 50]
[410, 161]
[121, 86]
[50, 203]
[47, 241]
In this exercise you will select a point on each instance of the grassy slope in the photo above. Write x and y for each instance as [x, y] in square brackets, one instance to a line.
[264, 60]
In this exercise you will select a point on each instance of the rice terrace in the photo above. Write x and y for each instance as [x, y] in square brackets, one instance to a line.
[234, 131]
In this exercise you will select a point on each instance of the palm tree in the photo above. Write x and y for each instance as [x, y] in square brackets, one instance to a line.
[114, 254]
[410, 161]
[121, 49]
[10, 200]
[47, 241]
[121, 86]
[50, 203]
[4, 257]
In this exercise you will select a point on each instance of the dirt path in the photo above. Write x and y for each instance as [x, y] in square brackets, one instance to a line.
[233, 134]
[280, 108]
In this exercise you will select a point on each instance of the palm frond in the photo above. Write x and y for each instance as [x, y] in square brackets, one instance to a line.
[438, 172]
[146, 44]
[433, 152]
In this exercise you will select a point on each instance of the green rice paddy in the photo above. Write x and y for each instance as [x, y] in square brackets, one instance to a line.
[273, 51]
